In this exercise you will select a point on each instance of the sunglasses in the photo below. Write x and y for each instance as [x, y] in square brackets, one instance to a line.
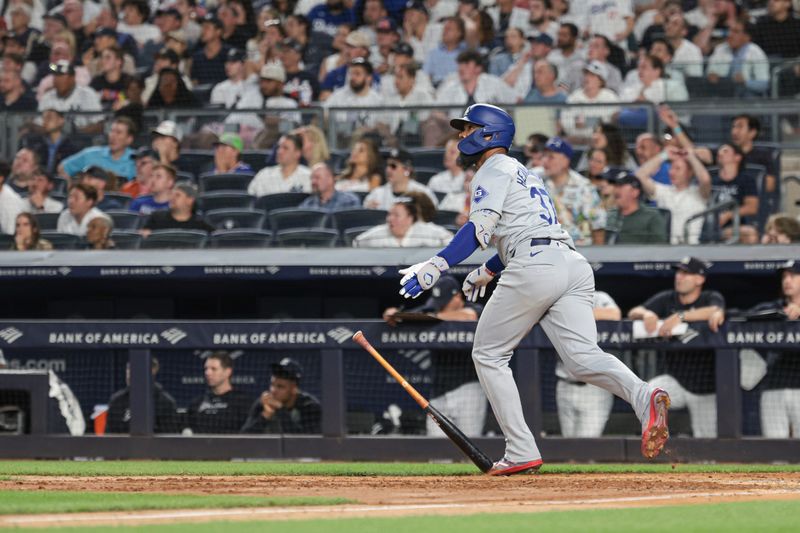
[393, 164]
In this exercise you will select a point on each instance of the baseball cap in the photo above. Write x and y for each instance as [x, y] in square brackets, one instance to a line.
[441, 294]
[358, 39]
[272, 22]
[401, 155]
[188, 188]
[232, 140]
[62, 67]
[56, 16]
[169, 54]
[235, 54]
[386, 25]
[790, 266]
[692, 265]
[177, 35]
[417, 5]
[94, 171]
[627, 178]
[168, 11]
[542, 38]
[598, 69]
[103, 31]
[287, 368]
[291, 44]
[560, 146]
[404, 49]
[273, 71]
[211, 18]
[168, 128]
[471, 2]
[145, 151]
[361, 62]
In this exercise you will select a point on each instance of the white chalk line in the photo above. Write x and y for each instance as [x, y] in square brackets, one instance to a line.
[222, 513]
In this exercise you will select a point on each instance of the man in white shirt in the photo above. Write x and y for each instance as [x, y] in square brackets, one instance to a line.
[11, 204]
[404, 228]
[612, 18]
[80, 210]
[567, 50]
[228, 93]
[268, 94]
[407, 94]
[67, 96]
[358, 92]
[473, 85]
[452, 178]
[742, 61]
[404, 55]
[422, 34]
[38, 200]
[598, 49]
[399, 181]
[288, 175]
[687, 58]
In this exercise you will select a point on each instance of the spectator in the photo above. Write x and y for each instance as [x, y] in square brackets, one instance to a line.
[598, 49]
[689, 376]
[182, 212]
[687, 57]
[358, 93]
[298, 29]
[63, 49]
[67, 96]
[356, 51]
[168, 19]
[362, 172]
[119, 409]
[608, 137]
[521, 74]
[22, 170]
[176, 41]
[15, 95]
[596, 166]
[407, 93]
[647, 147]
[98, 234]
[235, 30]
[731, 182]
[505, 16]
[110, 84]
[315, 147]
[53, 23]
[228, 93]
[227, 155]
[164, 58]
[11, 204]
[419, 32]
[145, 158]
[172, 92]
[52, 146]
[38, 200]
[288, 175]
[399, 181]
[285, 408]
[101, 180]
[381, 54]
[324, 194]
[135, 14]
[105, 38]
[208, 62]
[745, 129]
[166, 142]
[614, 20]
[651, 85]
[404, 228]
[741, 61]
[404, 55]
[300, 85]
[114, 157]
[459, 201]
[776, 32]
[631, 222]
[341, 56]
[326, 16]
[683, 198]
[132, 106]
[544, 90]
[515, 46]
[567, 50]
[442, 60]
[81, 209]
[534, 149]
[189, 23]
[267, 95]
[451, 179]
[578, 123]
[27, 235]
[576, 201]
[781, 229]
[371, 14]
[161, 185]
[604, 183]
[221, 409]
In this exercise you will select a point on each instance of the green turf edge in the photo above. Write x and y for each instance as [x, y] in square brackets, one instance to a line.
[774, 516]
[44, 502]
[211, 468]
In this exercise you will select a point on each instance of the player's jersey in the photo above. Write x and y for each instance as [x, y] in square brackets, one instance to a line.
[504, 185]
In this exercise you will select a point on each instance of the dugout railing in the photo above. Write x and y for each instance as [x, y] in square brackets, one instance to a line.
[330, 344]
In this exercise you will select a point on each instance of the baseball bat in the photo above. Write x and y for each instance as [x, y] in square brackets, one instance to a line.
[447, 426]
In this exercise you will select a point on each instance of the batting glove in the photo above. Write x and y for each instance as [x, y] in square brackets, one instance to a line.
[475, 283]
[422, 276]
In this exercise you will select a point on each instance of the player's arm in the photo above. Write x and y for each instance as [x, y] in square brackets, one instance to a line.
[713, 314]
[607, 313]
[466, 314]
[644, 314]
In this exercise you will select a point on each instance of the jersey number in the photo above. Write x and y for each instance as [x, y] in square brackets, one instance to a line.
[548, 207]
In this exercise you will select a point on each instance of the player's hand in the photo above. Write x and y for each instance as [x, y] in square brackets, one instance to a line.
[269, 405]
[650, 320]
[475, 283]
[388, 316]
[669, 323]
[792, 311]
[716, 319]
[422, 276]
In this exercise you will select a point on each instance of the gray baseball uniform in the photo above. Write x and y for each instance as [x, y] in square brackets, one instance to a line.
[547, 282]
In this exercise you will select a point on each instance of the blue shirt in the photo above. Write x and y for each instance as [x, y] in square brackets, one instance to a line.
[147, 204]
[323, 20]
[662, 176]
[100, 156]
[441, 62]
[209, 71]
[340, 200]
[535, 97]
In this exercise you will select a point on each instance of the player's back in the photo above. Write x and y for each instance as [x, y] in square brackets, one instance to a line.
[504, 185]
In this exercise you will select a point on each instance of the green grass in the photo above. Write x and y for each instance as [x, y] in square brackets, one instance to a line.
[717, 518]
[34, 502]
[211, 468]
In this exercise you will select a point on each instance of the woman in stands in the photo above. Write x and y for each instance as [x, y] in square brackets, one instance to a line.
[363, 170]
[315, 147]
[608, 137]
[781, 229]
[651, 84]
[27, 235]
[172, 92]
[404, 228]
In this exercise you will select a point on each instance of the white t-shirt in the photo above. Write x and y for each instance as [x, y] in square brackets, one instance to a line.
[688, 58]
[682, 204]
[608, 17]
[228, 93]
[453, 201]
[270, 180]
[383, 197]
[49, 206]
[345, 97]
[489, 90]
[68, 224]
[446, 181]
[142, 33]
[80, 99]
[420, 234]
[580, 121]
[11, 205]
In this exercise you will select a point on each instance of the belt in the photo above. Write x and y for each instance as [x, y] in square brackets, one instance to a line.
[541, 242]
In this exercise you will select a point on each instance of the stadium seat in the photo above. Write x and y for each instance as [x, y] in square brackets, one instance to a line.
[195, 161]
[281, 200]
[518, 154]
[257, 159]
[125, 220]
[424, 174]
[224, 182]
[47, 221]
[427, 157]
[62, 241]
[6, 241]
[60, 185]
[338, 160]
[240, 238]
[121, 197]
[351, 218]
[175, 239]
[224, 200]
[349, 235]
[307, 237]
[126, 240]
[699, 87]
[236, 218]
[185, 175]
[666, 214]
[290, 218]
[445, 218]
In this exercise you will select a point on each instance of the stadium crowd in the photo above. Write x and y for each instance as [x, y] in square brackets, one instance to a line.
[75, 63]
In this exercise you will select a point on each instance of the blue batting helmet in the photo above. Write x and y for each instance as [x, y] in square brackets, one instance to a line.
[495, 123]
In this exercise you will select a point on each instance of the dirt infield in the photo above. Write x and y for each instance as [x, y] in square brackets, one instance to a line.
[389, 496]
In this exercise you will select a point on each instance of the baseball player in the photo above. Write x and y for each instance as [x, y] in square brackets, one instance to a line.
[545, 280]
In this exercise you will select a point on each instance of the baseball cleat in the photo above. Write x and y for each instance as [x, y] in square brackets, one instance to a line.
[504, 467]
[656, 433]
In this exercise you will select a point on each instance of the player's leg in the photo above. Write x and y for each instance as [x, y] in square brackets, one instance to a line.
[520, 299]
[566, 399]
[774, 415]
[593, 411]
[703, 413]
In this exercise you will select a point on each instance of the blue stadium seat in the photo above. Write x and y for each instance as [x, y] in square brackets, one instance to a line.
[424, 174]
[444, 217]
[351, 218]
[175, 239]
[240, 238]
[125, 220]
[121, 197]
[126, 240]
[60, 185]
[47, 221]
[349, 235]
[257, 159]
[305, 237]
[427, 157]
[236, 218]
[224, 182]
[224, 200]
[293, 218]
[281, 200]
[6, 241]
[63, 241]
[195, 161]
